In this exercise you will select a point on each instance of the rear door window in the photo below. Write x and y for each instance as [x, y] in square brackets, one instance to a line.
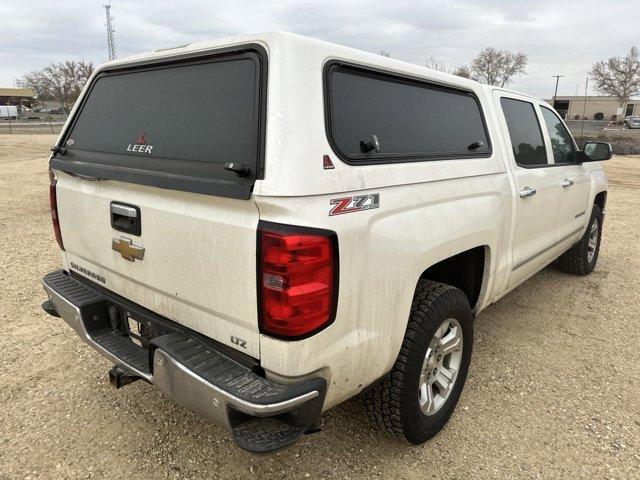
[524, 130]
[180, 122]
[412, 120]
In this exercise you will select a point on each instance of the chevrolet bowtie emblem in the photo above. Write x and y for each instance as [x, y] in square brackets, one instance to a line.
[127, 249]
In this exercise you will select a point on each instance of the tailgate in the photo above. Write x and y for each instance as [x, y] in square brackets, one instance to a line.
[148, 205]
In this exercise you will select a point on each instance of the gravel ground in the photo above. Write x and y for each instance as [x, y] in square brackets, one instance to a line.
[553, 390]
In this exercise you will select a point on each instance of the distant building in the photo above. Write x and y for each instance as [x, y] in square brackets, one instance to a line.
[597, 107]
[20, 97]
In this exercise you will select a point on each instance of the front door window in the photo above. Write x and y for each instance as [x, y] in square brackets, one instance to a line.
[564, 150]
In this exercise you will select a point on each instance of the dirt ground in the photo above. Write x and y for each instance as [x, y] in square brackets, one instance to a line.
[553, 389]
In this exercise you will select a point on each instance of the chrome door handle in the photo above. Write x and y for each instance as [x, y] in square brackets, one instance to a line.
[527, 192]
[566, 183]
[123, 210]
[125, 218]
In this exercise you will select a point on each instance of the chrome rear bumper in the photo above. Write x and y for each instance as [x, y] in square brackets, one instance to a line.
[191, 370]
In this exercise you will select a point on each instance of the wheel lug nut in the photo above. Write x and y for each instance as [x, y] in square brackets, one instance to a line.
[439, 357]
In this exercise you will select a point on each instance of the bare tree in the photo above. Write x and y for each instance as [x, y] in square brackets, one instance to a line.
[436, 64]
[618, 76]
[84, 71]
[462, 71]
[62, 82]
[497, 67]
[66, 80]
[37, 82]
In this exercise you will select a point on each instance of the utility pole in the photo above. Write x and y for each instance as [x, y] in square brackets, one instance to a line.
[557, 77]
[111, 43]
[584, 110]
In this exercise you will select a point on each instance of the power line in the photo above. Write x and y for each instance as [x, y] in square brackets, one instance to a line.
[111, 43]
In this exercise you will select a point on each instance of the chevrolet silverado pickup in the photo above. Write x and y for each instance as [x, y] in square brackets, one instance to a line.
[266, 226]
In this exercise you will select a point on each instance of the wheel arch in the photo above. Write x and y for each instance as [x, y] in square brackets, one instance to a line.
[599, 188]
[467, 270]
[601, 199]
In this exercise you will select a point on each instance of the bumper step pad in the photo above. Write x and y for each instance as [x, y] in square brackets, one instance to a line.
[123, 348]
[229, 375]
[266, 435]
[73, 291]
[92, 322]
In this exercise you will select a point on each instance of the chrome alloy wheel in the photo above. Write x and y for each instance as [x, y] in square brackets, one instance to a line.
[440, 366]
[593, 240]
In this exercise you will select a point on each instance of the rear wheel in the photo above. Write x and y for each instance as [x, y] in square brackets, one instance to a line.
[581, 259]
[415, 400]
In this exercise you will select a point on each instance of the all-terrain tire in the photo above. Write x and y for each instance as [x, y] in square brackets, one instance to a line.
[576, 260]
[393, 402]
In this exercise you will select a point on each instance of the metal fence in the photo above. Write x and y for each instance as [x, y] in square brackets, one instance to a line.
[32, 124]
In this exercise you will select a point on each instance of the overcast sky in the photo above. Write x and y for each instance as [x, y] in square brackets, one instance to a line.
[560, 37]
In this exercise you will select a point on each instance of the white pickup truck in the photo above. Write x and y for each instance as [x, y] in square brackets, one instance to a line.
[266, 226]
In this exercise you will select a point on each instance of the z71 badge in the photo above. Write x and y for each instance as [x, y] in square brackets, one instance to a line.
[357, 203]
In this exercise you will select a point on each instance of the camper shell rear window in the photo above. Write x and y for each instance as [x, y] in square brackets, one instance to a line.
[376, 117]
[174, 124]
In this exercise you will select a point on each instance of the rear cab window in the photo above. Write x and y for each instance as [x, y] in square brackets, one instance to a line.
[411, 119]
[174, 125]
[525, 132]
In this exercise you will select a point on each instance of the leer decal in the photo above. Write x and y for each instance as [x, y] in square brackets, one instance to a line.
[141, 145]
[357, 203]
[327, 164]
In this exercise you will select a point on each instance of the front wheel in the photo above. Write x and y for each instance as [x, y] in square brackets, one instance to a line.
[581, 259]
[415, 400]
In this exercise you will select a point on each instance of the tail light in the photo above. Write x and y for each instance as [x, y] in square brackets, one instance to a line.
[298, 279]
[53, 203]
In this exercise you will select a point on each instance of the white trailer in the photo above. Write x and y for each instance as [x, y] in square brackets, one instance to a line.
[10, 111]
